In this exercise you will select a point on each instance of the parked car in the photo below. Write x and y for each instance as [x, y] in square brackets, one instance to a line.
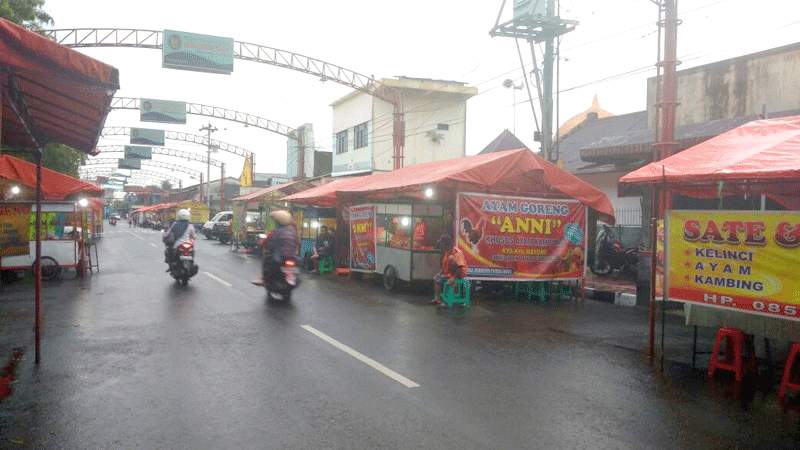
[208, 229]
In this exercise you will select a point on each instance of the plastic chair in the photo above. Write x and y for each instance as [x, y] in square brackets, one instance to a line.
[734, 352]
[530, 289]
[786, 380]
[326, 264]
[457, 293]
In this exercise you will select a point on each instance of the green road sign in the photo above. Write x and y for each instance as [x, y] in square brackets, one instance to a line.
[138, 152]
[132, 164]
[198, 52]
[164, 111]
[147, 136]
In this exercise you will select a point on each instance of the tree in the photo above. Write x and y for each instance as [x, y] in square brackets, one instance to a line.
[59, 157]
[166, 185]
[28, 13]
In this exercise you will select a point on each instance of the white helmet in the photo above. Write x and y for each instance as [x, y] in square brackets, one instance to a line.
[281, 216]
[184, 214]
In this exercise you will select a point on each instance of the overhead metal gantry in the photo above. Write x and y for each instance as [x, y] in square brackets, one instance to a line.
[138, 38]
[145, 162]
[217, 112]
[106, 149]
[88, 172]
[184, 137]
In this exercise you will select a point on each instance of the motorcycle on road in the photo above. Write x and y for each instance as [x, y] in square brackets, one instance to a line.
[181, 262]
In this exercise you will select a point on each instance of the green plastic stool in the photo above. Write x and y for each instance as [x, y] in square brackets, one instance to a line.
[563, 290]
[531, 290]
[458, 293]
[326, 264]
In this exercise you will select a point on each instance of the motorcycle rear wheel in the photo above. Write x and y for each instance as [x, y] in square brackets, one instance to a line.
[601, 269]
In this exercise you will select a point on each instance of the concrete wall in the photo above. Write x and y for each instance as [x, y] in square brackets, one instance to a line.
[627, 209]
[736, 87]
[424, 111]
[353, 111]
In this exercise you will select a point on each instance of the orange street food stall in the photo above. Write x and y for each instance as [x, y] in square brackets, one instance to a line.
[396, 218]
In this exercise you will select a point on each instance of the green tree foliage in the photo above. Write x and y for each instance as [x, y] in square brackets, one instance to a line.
[28, 13]
[58, 157]
[166, 185]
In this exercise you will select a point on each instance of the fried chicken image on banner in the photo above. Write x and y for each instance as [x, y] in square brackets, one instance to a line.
[473, 234]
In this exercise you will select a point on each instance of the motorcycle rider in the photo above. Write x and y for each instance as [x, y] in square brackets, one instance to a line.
[180, 231]
[282, 243]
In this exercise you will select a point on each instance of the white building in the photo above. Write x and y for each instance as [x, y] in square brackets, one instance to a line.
[435, 128]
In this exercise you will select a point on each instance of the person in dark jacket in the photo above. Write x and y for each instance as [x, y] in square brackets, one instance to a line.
[282, 243]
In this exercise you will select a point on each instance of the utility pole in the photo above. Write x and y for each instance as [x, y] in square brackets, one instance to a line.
[547, 88]
[222, 187]
[209, 129]
[537, 21]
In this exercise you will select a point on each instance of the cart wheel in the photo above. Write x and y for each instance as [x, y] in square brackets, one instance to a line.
[390, 278]
[50, 268]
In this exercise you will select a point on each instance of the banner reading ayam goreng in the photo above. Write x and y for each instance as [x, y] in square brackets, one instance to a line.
[742, 260]
[521, 238]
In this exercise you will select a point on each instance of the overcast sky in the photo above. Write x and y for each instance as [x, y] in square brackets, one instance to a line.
[610, 54]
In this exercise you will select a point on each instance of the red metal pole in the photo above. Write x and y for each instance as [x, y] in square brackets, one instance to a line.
[669, 100]
[37, 265]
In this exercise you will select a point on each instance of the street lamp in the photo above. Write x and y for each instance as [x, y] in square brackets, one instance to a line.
[508, 83]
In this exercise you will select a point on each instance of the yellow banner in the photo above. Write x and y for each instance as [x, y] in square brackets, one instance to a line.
[246, 178]
[742, 260]
[14, 225]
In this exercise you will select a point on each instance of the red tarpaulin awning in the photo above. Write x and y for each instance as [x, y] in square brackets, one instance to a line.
[286, 188]
[66, 94]
[761, 150]
[518, 172]
[55, 185]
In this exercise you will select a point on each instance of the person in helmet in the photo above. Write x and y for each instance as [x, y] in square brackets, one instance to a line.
[282, 243]
[180, 231]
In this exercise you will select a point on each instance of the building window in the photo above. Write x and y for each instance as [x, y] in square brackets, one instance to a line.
[361, 133]
[442, 127]
[341, 142]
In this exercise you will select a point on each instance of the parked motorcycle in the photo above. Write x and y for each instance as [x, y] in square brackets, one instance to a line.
[181, 263]
[280, 277]
[612, 257]
[112, 221]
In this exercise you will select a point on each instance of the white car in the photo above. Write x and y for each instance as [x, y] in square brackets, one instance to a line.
[208, 227]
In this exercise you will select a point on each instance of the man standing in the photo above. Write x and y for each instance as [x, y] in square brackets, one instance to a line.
[454, 266]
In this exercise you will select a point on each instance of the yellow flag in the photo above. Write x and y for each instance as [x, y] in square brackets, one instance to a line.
[246, 179]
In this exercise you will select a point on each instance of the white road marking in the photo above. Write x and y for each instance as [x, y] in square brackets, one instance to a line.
[153, 245]
[135, 235]
[361, 357]
[217, 279]
[241, 255]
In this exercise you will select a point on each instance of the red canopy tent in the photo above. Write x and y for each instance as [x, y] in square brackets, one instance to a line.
[290, 188]
[760, 157]
[517, 172]
[49, 94]
[55, 185]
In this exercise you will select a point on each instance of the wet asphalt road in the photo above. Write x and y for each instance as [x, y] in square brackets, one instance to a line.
[130, 360]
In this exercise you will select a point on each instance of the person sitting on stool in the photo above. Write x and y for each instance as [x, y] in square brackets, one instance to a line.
[454, 266]
[323, 247]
